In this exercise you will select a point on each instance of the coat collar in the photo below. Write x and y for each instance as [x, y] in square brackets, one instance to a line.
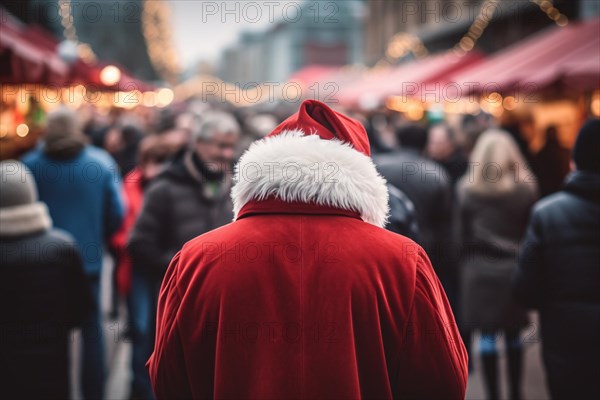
[584, 184]
[273, 205]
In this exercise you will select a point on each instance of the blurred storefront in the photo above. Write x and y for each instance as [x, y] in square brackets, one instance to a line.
[36, 77]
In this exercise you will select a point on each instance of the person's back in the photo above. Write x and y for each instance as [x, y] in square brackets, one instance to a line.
[426, 184]
[301, 298]
[559, 275]
[332, 308]
[82, 194]
[43, 295]
[81, 186]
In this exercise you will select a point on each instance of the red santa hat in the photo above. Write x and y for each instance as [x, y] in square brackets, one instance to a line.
[317, 156]
[317, 118]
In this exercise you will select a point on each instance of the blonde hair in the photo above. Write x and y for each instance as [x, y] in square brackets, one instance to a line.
[497, 166]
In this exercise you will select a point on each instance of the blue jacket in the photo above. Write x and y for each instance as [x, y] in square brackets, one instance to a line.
[83, 195]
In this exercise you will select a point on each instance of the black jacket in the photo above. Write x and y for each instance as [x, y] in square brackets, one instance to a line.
[559, 274]
[403, 219]
[43, 294]
[177, 207]
[427, 184]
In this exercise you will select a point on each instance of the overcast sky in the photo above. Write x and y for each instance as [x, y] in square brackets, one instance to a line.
[203, 28]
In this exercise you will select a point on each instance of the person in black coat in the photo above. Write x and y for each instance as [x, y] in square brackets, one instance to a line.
[427, 185]
[189, 198]
[559, 274]
[43, 292]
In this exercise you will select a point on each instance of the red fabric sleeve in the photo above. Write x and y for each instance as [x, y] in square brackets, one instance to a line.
[434, 359]
[166, 365]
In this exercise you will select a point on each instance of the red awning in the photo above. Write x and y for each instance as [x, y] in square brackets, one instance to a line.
[312, 74]
[29, 56]
[568, 56]
[428, 78]
[26, 59]
[89, 76]
[409, 79]
[363, 93]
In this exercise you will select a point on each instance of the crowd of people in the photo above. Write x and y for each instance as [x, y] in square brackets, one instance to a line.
[506, 230]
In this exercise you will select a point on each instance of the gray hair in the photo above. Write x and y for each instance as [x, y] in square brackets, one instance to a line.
[62, 122]
[215, 122]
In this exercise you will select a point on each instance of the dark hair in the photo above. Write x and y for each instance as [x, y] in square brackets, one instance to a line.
[586, 146]
[155, 148]
[166, 120]
[412, 136]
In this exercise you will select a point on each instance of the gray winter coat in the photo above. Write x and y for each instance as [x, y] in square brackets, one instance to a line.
[490, 228]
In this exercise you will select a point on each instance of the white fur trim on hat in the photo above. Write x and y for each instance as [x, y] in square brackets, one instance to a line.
[293, 166]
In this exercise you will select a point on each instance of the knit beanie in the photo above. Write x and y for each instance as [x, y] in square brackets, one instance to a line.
[587, 147]
[20, 211]
[17, 183]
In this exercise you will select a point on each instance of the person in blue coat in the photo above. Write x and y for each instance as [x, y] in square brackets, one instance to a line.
[81, 186]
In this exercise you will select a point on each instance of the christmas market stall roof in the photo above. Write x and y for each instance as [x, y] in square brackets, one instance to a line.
[28, 56]
[408, 79]
[311, 74]
[90, 75]
[568, 57]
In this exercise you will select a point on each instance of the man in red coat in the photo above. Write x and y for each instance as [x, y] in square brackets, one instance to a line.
[305, 295]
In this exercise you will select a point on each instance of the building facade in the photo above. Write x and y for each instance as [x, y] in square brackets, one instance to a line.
[440, 24]
[322, 33]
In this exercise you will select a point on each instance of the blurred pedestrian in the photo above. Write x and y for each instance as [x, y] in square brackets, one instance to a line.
[81, 186]
[494, 199]
[256, 127]
[427, 185]
[443, 147]
[122, 143]
[305, 295]
[521, 126]
[559, 274]
[551, 163]
[43, 292]
[189, 198]
[130, 136]
[138, 287]
[403, 218]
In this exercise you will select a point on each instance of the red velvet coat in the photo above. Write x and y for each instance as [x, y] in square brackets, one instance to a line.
[305, 295]
[305, 301]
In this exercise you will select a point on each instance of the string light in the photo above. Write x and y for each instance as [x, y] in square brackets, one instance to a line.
[66, 20]
[469, 40]
[552, 12]
[403, 43]
[84, 50]
[22, 130]
[157, 32]
[110, 75]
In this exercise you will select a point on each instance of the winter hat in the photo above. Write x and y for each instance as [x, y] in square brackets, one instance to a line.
[20, 212]
[17, 183]
[585, 152]
[316, 118]
[316, 156]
